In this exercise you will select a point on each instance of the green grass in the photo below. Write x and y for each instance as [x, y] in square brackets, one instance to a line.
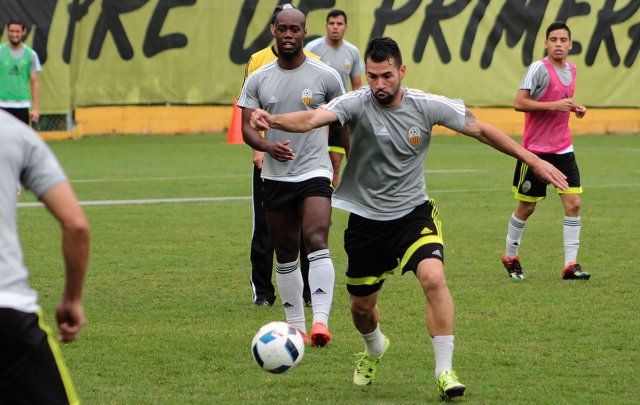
[169, 303]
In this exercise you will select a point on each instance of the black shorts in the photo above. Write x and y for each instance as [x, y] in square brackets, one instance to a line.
[279, 195]
[20, 113]
[336, 143]
[527, 187]
[31, 367]
[377, 249]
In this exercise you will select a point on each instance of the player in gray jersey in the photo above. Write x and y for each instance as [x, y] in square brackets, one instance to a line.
[31, 367]
[343, 56]
[392, 220]
[337, 52]
[297, 173]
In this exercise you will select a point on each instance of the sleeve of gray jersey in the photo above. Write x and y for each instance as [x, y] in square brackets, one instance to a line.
[42, 169]
[358, 67]
[335, 88]
[534, 77]
[249, 95]
[344, 107]
[36, 67]
[447, 112]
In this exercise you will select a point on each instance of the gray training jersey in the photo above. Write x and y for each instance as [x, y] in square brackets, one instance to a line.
[346, 59]
[280, 91]
[25, 157]
[536, 80]
[384, 175]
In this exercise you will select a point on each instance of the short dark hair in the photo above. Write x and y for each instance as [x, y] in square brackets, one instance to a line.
[278, 9]
[337, 13]
[15, 20]
[558, 25]
[381, 49]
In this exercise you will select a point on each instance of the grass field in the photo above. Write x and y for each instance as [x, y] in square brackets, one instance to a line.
[169, 303]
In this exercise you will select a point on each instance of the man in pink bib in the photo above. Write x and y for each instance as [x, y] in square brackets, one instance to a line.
[546, 97]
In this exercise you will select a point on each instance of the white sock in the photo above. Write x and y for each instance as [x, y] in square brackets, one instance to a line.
[571, 235]
[290, 285]
[373, 342]
[443, 352]
[321, 279]
[514, 233]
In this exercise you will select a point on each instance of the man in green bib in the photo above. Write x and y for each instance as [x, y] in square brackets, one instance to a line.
[19, 68]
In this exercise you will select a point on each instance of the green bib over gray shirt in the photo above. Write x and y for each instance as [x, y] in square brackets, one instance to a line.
[384, 175]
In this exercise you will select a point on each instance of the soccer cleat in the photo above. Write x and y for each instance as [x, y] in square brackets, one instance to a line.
[574, 272]
[513, 267]
[262, 303]
[305, 338]
[449, 386]
[320, 335]
[366, 366]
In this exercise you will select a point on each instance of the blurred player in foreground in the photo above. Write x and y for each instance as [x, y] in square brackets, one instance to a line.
[31, 366]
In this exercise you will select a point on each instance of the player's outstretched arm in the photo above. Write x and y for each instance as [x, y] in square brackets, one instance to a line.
[63, 204]
[498, 140]
[278, 150]
[299, 121]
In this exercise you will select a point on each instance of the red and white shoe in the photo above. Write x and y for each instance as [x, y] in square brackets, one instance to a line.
[320, 335]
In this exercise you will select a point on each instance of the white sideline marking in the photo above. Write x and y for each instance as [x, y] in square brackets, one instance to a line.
[231, 176]
[149, 201]
[217, 199]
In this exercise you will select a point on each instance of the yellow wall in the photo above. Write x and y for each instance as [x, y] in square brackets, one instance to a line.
[202, 119]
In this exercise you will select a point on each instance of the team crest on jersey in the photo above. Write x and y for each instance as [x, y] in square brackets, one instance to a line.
[526, 186]
[414, 136]
[307, 96]
[347, 65]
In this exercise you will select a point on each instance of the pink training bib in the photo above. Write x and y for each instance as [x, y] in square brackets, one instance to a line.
[548, 131]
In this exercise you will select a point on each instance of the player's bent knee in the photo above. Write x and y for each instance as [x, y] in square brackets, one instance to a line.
[362, 307]
[317, 241]
[432, 279]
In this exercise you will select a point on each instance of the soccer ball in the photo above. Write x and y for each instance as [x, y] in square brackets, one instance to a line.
[277, 347]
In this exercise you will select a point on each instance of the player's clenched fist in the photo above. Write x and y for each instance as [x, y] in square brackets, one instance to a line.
[259, 119]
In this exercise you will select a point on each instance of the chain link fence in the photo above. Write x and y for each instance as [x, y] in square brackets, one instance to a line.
[54, 122]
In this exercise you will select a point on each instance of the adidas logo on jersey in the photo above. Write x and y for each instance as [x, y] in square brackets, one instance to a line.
[437, 253]
[426, 231]
[272, 100]
[383, 132]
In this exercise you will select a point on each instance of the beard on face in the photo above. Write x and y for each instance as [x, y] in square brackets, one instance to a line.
[383, 97]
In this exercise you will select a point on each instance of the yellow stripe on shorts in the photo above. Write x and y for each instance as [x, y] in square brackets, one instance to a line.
[72, 396]
[371, 280]
[425, 240]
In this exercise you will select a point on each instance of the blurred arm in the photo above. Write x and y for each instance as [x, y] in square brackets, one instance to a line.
[63, 204]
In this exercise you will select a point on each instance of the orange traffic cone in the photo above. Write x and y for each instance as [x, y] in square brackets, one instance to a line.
[235, 127]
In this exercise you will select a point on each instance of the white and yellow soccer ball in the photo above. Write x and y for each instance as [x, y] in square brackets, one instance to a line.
[277, 347]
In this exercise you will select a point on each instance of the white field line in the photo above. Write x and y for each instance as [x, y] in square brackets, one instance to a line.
[144, 201]
[231, 176]
[247, 198]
